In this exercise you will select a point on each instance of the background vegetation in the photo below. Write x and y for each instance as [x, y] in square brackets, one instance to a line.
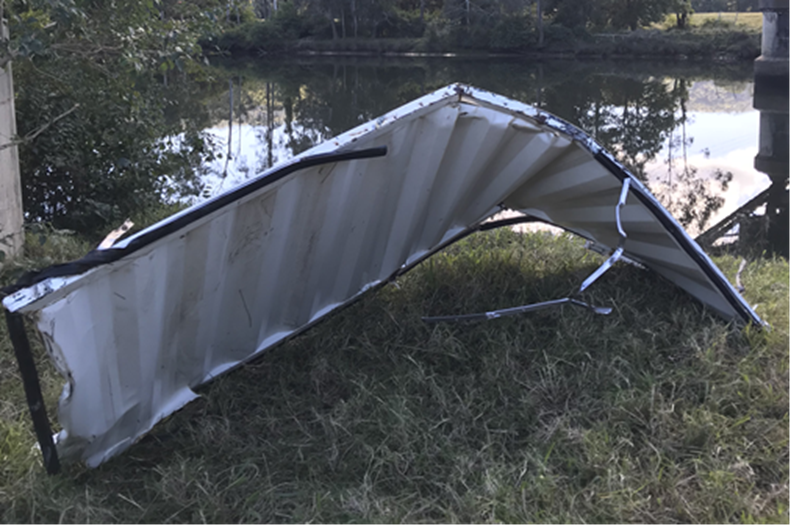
[442, 25]
[107, 92]
[101, 91]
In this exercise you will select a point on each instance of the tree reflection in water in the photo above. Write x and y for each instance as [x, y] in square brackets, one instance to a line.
[634, 112]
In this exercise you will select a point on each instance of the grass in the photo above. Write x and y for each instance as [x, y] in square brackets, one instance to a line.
[660, 412]
[752, 21]
[748, 21]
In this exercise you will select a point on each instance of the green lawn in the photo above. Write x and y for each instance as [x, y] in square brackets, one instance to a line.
[660, 412]
[751, 21]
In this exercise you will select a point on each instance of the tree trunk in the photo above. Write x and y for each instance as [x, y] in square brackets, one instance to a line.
[422, 10]
[230, 127]
[270, 124]
[343, 22]
[354, 16]
[332, 23]
[12, 235]
[540, 19]
[682, 17]
[239, 111]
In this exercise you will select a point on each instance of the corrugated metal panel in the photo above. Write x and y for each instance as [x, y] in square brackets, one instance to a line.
[135, 335]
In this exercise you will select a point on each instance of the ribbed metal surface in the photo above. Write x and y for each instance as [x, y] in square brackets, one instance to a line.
[134, 336]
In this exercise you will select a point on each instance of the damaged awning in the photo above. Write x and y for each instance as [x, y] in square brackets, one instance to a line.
[136, 326]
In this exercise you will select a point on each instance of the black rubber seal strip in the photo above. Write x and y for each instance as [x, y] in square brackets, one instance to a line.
[96, 258]
[35, 401]
[670, 225]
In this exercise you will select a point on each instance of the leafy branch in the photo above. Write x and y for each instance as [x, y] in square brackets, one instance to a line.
[38, 131]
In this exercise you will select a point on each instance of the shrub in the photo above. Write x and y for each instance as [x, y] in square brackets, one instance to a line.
[557, 34]
[513, 32]
[290, 23]
[438, 34]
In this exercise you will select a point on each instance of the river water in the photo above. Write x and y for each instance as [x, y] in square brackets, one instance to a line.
[687, 130]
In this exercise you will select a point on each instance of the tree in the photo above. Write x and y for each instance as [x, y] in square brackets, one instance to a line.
[11, 232]
[635, 13]
[683, 10]
[572, 13]
[100, 87]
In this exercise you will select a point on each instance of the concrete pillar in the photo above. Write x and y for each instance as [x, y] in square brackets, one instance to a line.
[11, 232]
[774, 158]
[773, 61]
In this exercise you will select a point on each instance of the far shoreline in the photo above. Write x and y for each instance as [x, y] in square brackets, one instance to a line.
[722, 45]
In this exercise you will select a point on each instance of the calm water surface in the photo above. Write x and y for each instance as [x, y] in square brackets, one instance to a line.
[689, 131]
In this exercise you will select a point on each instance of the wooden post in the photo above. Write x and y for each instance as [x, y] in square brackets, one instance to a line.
[11, 232]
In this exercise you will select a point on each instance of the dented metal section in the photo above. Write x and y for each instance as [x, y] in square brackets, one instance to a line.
[134, 328]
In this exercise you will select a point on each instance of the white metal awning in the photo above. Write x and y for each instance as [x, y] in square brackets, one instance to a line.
[135, 327]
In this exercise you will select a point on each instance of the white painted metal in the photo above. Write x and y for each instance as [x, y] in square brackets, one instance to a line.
[133, 337]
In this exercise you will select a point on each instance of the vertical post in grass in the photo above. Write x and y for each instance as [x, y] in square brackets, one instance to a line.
[11, 233]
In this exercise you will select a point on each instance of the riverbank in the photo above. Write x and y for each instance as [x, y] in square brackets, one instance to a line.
[660, 412]
[728, 43]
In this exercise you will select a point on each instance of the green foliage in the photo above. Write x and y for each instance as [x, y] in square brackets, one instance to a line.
[100, 88]
[683, 11]
[459, 25]
[615, 14]
[263, 36]
[289, 22]
[402, 24]
[572, 13]
[512, 32]
[110, 157]
[248, 38]
[125, 33]
[559, 35]
[632, 14]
